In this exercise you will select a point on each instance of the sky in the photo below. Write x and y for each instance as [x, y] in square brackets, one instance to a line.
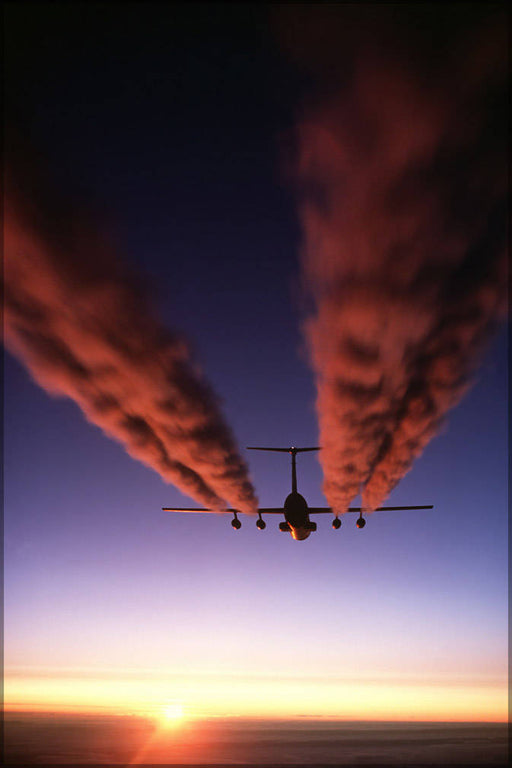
[176, 126]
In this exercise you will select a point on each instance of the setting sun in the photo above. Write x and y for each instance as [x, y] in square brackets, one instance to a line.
[171, 714]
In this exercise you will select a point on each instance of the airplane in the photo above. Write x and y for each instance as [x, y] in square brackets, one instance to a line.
[295, 508]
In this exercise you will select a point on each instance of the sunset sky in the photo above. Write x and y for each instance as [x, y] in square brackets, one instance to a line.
[174, 126]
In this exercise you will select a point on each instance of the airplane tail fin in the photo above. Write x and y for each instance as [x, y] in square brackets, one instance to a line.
[293, 453]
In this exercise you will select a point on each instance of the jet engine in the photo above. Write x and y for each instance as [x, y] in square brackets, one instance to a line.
[261, 524]
[360, 522]
[336, 523]
[236, 523]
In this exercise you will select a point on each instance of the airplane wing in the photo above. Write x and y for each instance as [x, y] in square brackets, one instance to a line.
[328, 510]
[199, 509]
[280, 510]
[202, 510]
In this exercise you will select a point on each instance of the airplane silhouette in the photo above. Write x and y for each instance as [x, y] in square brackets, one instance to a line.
[295, 509]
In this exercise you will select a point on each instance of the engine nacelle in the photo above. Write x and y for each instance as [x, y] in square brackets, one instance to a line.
[361, 522]
[284, 527]
[236, 523]
[336, 523]
[261, 524]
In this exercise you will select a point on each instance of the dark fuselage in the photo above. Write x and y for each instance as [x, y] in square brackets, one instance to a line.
[295, 508]
[297, 517]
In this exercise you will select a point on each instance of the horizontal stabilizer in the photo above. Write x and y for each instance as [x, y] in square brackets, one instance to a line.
[282, 450]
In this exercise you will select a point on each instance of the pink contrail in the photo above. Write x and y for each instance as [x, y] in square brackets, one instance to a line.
[84, 330]
[402, 177]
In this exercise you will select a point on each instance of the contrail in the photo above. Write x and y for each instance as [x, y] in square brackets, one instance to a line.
[85, 330]
[401, 171]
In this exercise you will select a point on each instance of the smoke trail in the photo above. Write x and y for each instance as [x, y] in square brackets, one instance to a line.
[402, 175]
[85, 330]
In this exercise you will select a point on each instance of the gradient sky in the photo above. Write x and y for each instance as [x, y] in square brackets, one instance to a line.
[175, 123]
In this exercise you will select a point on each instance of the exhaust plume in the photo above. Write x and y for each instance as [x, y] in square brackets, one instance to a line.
[84, 329]
[401, 171]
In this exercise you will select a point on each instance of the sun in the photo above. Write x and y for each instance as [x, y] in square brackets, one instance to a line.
[172, 713]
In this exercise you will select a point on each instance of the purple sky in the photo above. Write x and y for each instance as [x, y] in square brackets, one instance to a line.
[175, 128]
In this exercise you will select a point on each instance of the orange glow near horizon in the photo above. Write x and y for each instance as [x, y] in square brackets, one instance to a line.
[172, 700]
